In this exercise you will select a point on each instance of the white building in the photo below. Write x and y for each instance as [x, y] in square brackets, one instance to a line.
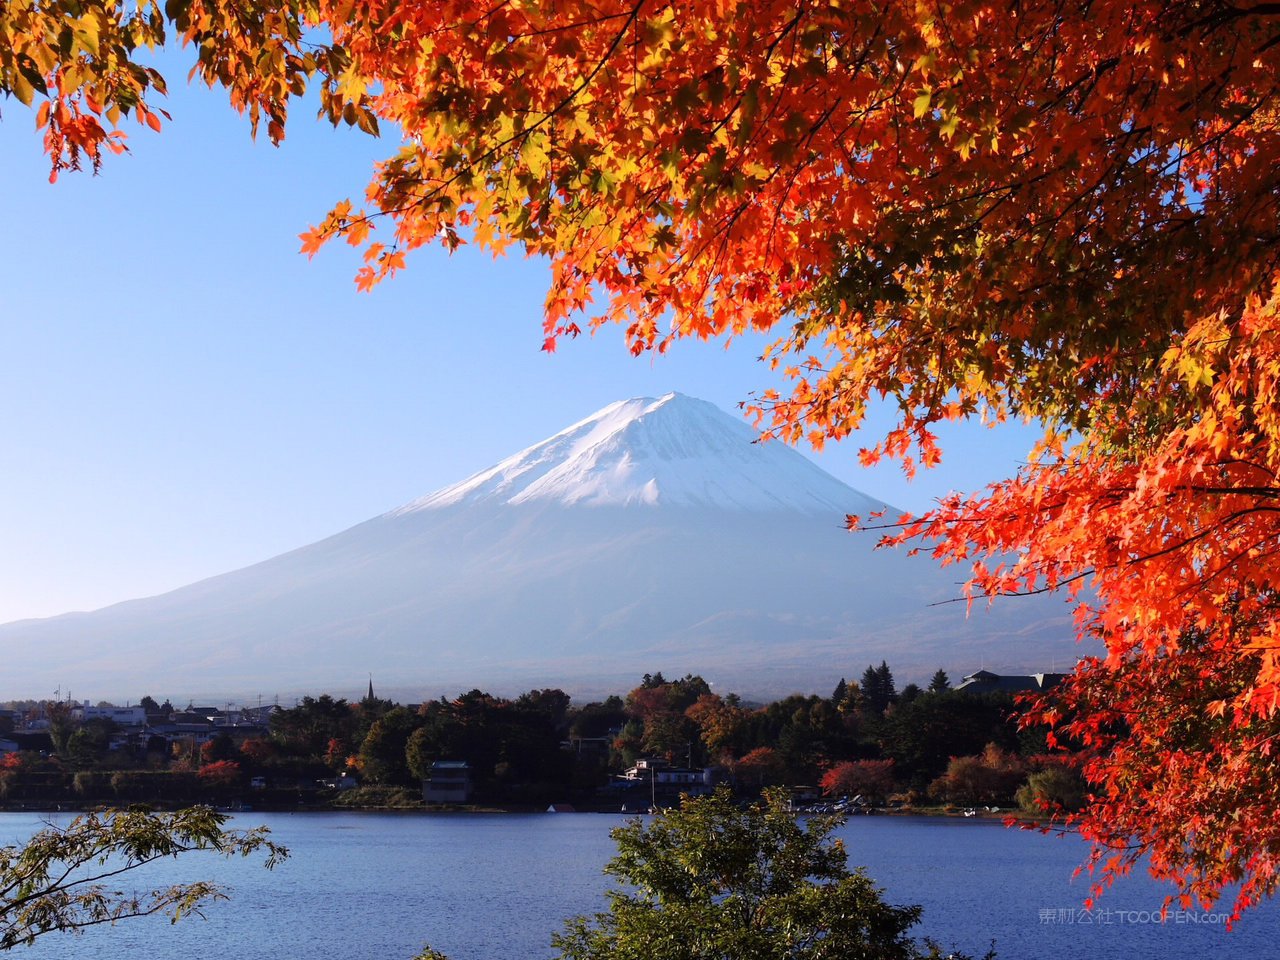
[124, 716]
[660, 773]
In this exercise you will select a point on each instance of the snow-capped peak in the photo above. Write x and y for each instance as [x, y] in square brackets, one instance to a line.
[672, 451]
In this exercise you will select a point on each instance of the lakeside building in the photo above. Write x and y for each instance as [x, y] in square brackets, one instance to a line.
[450, 782]
[659, 780]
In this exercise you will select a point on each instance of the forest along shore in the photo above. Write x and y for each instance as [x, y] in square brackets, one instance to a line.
[867, 747]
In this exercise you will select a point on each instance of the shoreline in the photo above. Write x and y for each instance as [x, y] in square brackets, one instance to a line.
[923, 812]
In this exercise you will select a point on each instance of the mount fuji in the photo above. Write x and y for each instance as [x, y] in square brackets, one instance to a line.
[653, 535]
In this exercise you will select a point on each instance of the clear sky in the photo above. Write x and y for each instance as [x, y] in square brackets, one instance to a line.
[183, 393]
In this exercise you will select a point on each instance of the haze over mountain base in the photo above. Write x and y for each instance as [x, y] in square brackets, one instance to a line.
[652, 536]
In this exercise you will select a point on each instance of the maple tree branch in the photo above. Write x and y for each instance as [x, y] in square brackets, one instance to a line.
[1265, 493]
[505, 142]
[783, 33]
[1218, 524]
[1035, 591]
[1226, 13]
[1226, 567]
[823, 119]
[568, 27]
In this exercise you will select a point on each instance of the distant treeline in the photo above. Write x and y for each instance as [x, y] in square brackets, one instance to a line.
[867, 739]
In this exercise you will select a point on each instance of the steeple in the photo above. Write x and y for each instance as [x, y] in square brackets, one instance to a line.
[370, 694]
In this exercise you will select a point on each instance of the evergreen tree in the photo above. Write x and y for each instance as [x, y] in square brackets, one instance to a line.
[840, 693]
[870, 687]
[940, 682]
[886, 683]
[878, 690]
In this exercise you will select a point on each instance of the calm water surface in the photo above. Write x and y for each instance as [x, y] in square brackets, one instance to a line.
[369, 886]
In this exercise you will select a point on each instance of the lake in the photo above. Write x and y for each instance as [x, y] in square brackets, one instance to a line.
[377, 886]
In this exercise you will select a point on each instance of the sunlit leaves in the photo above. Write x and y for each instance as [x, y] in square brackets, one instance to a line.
[1169, 510]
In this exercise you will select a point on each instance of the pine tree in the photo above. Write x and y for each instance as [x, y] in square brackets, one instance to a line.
[886, 683]
[840, 693]
[878, 690]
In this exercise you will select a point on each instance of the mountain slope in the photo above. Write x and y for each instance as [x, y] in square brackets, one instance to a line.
[653, 535]
[675, 451]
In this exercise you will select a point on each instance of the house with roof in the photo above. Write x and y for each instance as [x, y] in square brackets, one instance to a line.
[984, 681]
[660, 778]
[450, 782]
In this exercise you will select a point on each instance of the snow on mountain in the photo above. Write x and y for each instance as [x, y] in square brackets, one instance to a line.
[674, 451]
[653, 535]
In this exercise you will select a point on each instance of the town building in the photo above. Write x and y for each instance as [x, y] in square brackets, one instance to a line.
[450, 782]
[984, 681]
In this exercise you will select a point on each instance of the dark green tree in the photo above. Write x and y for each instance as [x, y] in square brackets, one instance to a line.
[422, 749]
[711, 880]
[383, 752]
[61, 725]
[598, 719]
[551, 703]
[878, 690]
[806, 732]
[366, 712]
[922, 736]
[840, 693]
[672, 736]
[308, 727]
[940, 683]
[88, 743]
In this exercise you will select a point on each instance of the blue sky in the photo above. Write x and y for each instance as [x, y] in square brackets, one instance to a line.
[183, 393]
